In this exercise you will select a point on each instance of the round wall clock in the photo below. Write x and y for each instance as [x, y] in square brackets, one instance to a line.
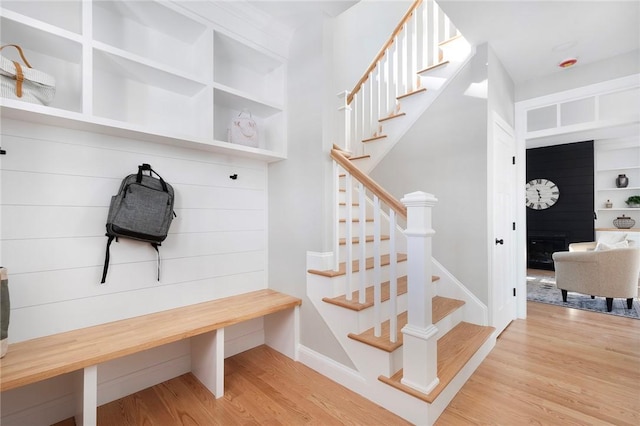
[542, 194]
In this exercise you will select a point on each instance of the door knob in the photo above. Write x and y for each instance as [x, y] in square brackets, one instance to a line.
[499, 241]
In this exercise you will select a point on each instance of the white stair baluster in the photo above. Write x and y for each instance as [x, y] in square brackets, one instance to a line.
[363, 243]
[423, 37]
[349, 238]
[377, 111]
[336, 216]
[393, 278]
[412, 27]
[377, 270]
[372, 120]
[344, 129]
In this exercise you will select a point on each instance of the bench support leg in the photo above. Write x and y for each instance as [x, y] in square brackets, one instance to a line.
[207, 360]
[282, 332]
[87, 397]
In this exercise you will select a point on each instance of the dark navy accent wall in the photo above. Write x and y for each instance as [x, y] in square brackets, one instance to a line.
[571, 219]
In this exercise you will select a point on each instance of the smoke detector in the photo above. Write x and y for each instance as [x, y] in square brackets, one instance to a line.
[568, 63]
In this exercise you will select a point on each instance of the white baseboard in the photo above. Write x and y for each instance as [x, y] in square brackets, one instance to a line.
[328, 367]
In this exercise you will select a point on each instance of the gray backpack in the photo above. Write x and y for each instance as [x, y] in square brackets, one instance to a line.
[141, 210]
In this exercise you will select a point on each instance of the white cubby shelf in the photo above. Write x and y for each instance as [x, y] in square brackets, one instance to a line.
[147, 70]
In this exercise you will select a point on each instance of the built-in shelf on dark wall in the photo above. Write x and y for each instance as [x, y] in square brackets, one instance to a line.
[570, 220]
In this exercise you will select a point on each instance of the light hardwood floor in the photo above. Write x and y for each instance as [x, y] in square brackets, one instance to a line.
[559, 366]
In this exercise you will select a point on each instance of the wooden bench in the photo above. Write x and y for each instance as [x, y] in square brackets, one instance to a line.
[84, 349]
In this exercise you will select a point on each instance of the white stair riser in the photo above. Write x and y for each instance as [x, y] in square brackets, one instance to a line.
[355, 212]
[369, 248]
[337, 286]
[447, 323]
[368, 228]
[386, 363]
[366, 316]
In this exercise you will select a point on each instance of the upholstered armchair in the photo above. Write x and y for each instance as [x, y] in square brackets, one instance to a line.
[605, 273]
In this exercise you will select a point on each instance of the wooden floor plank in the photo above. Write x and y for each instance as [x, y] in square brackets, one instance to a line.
[559, 366]
[587, 374]
[262, 387]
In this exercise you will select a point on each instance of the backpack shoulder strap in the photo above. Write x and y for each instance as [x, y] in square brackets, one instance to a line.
[106, 259]
[147, 167]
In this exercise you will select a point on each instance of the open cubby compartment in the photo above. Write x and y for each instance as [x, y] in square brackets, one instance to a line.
[161, 102]
[65, 14]
[248, 70]
[269, 119]
[53, 54]
[157, 32]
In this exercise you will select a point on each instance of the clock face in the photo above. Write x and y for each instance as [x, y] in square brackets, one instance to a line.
[542, 194]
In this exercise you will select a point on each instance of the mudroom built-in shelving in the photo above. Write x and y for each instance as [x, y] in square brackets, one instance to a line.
[147, 70]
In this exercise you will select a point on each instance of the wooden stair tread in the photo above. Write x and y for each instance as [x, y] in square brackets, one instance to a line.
[373, 138]
[356, 240]
[392, 116]
[450, 40]
[433, 67]
[442, 306]
[354, 305]
[360, 157]
[455, 349]
[384, 260]
[384, 341]
[414, 92]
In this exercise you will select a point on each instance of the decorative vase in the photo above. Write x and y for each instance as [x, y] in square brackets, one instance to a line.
[624, 222]
[622, 181]
[5, 310]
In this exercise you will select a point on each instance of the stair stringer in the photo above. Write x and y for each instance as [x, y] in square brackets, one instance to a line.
[369, 361]
[414, 106]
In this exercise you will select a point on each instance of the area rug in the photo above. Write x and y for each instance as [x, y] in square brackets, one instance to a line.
[543, 289]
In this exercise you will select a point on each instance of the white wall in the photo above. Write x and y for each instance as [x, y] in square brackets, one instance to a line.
[299, 188]
[580, 75]
[501, 89]
[444, 153]
[56, 187]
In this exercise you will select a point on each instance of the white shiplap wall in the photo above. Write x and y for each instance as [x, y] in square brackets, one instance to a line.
[56, 185]
[56, 188]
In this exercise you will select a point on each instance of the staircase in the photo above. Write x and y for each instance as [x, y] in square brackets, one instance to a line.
[414, 333]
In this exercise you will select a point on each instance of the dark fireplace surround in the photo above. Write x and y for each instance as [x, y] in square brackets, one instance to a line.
[540, 248]
[571, 219]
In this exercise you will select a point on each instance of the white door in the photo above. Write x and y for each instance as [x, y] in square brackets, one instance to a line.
[503, 277]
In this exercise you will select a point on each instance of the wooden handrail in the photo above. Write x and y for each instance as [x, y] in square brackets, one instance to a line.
[369, 183]
[383, 50]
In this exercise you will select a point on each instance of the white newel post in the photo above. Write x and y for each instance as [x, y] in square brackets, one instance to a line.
[420, 344]
[344, 124]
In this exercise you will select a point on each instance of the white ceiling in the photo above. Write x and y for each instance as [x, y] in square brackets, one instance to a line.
[527, 36]
[532, 37]
[295, 13]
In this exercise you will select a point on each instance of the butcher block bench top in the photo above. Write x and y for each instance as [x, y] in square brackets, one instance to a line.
[49, 356]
